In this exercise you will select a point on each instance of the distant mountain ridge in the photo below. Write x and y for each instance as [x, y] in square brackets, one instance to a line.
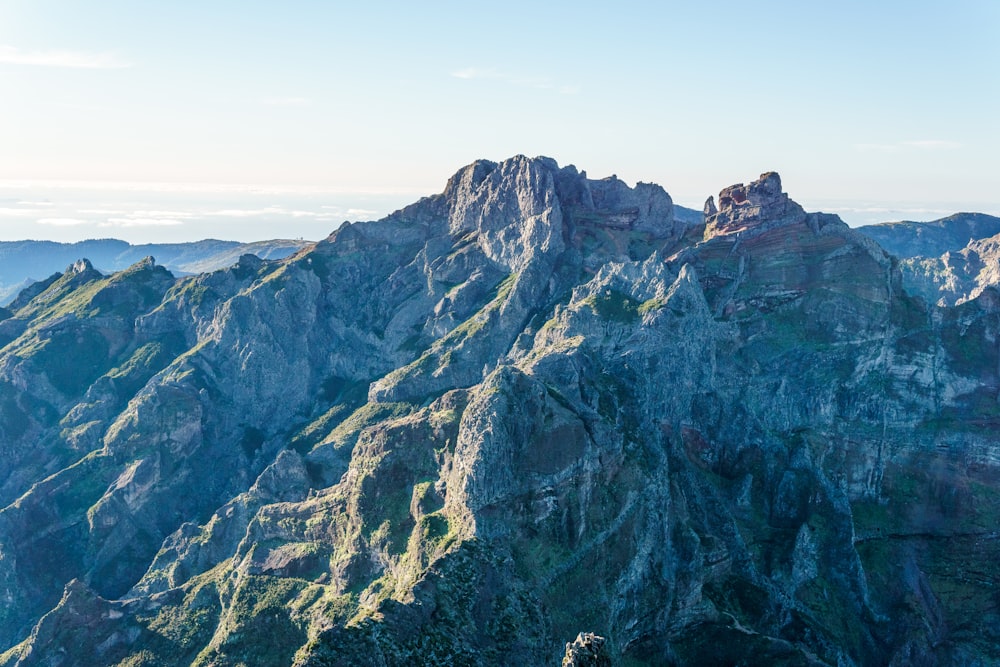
[25, 262]
[931, 239]
[946, 261]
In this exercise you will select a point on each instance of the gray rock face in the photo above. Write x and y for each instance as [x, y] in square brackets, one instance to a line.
[532, 404]
[710, 208]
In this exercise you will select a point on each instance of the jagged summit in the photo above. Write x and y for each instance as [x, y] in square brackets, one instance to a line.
[522, 207]
[522, 187]
[752, 208]
[488, 196]
[80, 266]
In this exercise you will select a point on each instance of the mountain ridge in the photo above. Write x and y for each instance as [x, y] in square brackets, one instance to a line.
[556, 409]
[908, 239]
[25, 262]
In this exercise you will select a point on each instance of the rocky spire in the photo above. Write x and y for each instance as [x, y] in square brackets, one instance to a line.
[752, 208]
[710, 209]
[79, 266]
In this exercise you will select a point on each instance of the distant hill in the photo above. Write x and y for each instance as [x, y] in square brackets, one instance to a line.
[25, 262]
[931, 239]
[687, 215]
[946, 261]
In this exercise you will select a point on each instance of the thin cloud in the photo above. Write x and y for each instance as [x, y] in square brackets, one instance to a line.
[125, 214]
[890, 209]
[258, 212]
[877, 148]
[18, 212]
[351, 213]
[933, 144]
[162, 214]
[140, 222]
[285, 101]
[923, 144]
[476, 73]
[61, 222]
[218, 188]
[10, 55]
[361, 214]
[243, 212]
[538, 83]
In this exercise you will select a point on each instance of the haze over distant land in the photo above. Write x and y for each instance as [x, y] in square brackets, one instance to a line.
[336, 105]
[177, 213]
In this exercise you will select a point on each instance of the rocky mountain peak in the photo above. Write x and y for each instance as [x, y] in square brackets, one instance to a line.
[520, 185]
[522, 206]
[80, 266]
[756, 207]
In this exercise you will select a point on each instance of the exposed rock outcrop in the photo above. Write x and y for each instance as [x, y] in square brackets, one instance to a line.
[709, 209]
[752, 209]
[587, 650]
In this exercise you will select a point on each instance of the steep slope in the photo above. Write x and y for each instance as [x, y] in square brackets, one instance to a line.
[532, 406]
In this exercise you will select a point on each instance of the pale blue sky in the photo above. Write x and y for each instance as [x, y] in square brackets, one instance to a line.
[150, 120]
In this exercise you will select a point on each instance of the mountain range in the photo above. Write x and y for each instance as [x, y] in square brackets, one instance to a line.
[23, 263]
[536, 417]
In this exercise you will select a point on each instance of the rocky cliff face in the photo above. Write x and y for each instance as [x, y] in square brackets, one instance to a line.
[534, 406]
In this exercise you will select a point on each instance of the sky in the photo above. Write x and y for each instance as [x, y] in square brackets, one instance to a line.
[169, 121]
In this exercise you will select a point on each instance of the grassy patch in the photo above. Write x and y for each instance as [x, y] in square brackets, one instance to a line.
[652, 304]
[505, 287]
[613, 305]
[259, 616]
[346, 433]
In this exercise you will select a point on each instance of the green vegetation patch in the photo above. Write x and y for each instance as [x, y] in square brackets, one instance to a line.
[346, 433]
[188, 627]
[260, 616]
[614, 305]
[143, 658]
[505, 287]
[64, 297]
[652, 304]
